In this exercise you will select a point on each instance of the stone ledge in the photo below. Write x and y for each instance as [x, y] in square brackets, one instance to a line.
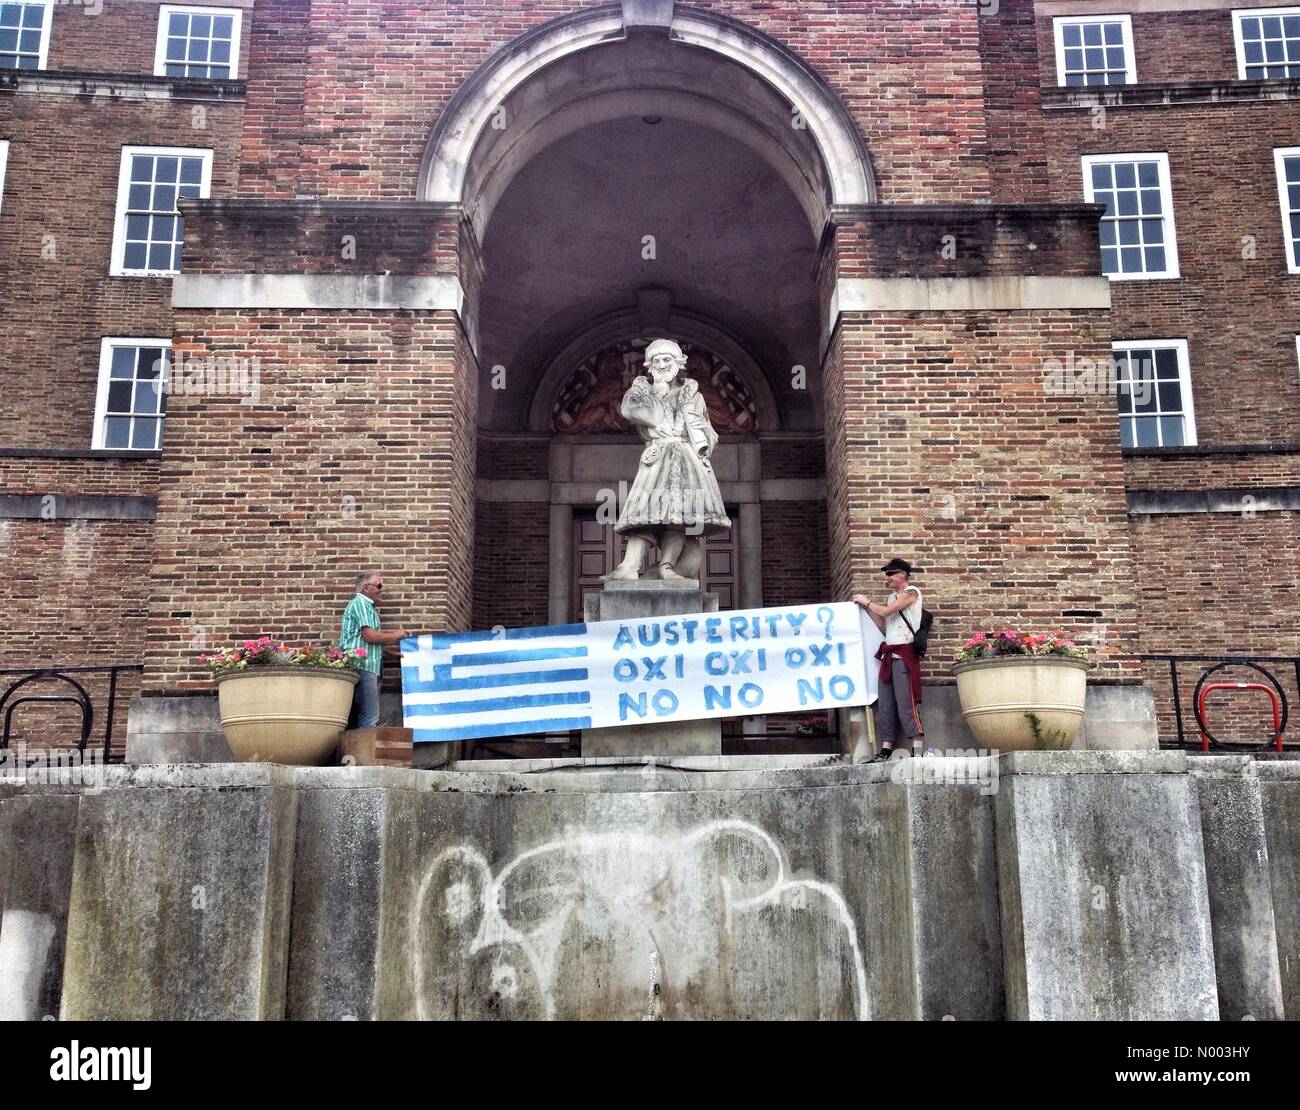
[1169, 94]
[1259, 499]
[36, 506]
[117, 86]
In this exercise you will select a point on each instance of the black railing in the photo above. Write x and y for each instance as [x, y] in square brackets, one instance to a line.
[1215, 664]
[74, 693]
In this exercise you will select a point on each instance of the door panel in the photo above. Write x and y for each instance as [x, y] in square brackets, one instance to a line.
[598, 549]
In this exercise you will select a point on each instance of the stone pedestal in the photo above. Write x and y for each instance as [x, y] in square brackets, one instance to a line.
[639, 600]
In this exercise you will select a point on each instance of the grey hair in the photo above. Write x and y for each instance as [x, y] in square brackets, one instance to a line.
[365, 576]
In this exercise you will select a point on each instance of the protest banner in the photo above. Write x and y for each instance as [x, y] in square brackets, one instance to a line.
[522, 681]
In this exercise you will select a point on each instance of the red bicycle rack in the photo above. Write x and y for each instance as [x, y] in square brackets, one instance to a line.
[1272, 697]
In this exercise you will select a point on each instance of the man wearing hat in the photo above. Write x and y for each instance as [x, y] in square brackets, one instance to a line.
[898, 712]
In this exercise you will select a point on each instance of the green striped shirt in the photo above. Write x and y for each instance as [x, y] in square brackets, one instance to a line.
[361, 613]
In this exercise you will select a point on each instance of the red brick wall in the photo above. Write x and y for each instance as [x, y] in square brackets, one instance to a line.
[56, 236]
[359, 454]
[1024, 524]
[1167, 46]
[1219, 584]
[1240, 314]
[909, 73]
[796, 559]
[120, 38]
[512, 564]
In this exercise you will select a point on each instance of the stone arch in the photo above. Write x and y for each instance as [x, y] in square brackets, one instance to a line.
[624, 325]
[839, 171]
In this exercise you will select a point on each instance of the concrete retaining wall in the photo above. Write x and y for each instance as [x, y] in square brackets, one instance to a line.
[1041, 885]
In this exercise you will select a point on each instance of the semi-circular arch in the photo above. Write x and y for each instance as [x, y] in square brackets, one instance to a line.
[845, 169]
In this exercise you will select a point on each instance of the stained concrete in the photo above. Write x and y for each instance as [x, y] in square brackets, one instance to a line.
[1280, 796]
[1038, 885]
[1238, 878]
[1101, 878]
[180, 895]
[38, 833]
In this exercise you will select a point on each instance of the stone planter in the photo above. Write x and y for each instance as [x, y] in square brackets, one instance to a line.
[996, 694]
[291, 715]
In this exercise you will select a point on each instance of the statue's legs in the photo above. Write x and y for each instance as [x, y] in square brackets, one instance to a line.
[688, 562]
[630, 568]
[670, 553]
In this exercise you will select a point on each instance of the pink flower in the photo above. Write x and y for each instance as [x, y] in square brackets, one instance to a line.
[360, 652]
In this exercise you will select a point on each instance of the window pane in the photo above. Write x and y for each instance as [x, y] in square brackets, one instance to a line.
[1126, 175]
[142, 435]
[1101, 175]
[164, 198]
[1171, 431]
[137, 227]
[1126, 201]
[1114, 33]
[152, 362]
[1072, 34]
[1126, 433]
[191, 171]
[1128, 232]
[1166, 363]
[1156, 260]
[123, 362]
[1171, 397]
[1147, 431]
[141, 167]
[119, 396]
[1092, 34]
[147, 396]
[135, 256]
[117, 431]
[160, 256]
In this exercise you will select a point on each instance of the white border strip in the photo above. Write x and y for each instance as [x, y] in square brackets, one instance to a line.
[970, 294]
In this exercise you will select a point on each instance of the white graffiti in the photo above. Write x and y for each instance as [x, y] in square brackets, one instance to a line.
[657, 894]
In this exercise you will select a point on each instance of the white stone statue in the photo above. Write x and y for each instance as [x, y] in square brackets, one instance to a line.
[675, 498]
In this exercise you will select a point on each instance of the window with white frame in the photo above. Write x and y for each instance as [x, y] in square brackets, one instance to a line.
[1268, 42]
[197, 42]
[1287, 161]
[4, 164]
[132, 397]
[1094, 50]
[25, 34]
[1137, 228]
[149, 231]
[1153, 388]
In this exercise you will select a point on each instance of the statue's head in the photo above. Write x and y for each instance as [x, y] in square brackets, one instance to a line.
[664, 360]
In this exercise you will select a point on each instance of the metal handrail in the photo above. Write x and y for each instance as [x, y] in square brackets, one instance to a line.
[1218, 662]
[82, 698]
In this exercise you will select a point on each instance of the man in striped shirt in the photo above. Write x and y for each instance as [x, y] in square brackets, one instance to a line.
[361, 628]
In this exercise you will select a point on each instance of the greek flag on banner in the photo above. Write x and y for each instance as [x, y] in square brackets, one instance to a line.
[521, 681]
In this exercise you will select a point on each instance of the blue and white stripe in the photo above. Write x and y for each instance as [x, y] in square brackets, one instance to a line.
[509, 683]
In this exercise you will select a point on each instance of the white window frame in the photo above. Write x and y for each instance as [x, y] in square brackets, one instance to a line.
[1250, 13]
[47, 29]
[116, 268]
[160, 48]
[4, 165]
[1130, 58]
[1172, 269]
[1184, 382]
[101, 396]
[1280, 154]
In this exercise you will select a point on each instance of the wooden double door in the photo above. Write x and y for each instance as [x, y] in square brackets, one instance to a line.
[598, 549]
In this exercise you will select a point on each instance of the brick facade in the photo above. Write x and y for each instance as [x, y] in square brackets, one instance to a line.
[937, 440]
